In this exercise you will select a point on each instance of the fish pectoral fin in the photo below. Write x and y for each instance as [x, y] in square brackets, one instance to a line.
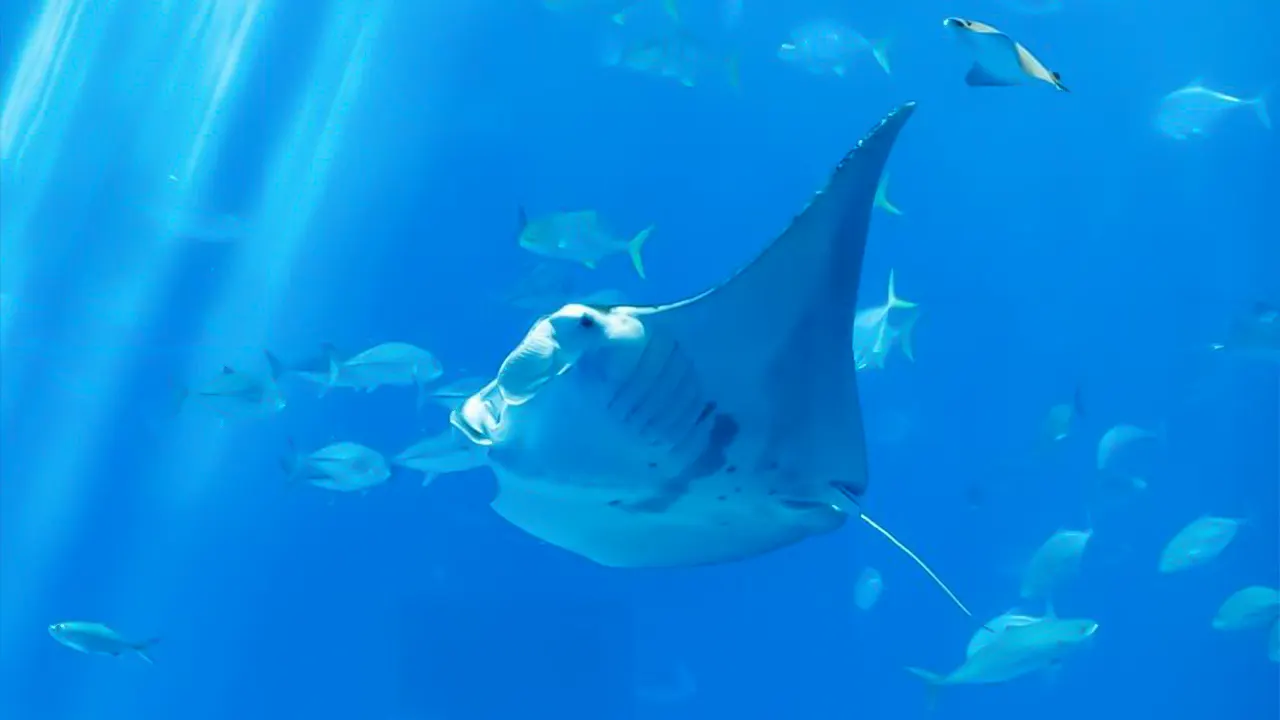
[978, 76]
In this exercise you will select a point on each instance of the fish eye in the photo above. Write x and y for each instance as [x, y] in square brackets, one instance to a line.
[586, 321]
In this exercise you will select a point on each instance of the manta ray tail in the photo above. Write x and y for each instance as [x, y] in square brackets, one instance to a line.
[889, 536]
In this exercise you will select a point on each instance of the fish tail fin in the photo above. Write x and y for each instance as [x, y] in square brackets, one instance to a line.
[635, 247]
[142, 649]
[880, 50]
[933, 681]
[894, 300]
[882, 196]
[335, 366]
[916, 558]
[1259, 105]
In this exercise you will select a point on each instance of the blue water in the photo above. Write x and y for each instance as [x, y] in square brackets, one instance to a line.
[378, 152]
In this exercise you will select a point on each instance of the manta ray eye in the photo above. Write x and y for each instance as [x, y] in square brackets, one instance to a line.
[587, 321]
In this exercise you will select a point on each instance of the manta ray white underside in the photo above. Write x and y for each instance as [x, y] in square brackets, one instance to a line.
[709, 430]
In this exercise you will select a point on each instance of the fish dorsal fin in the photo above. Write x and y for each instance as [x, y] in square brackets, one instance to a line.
[916, 558]
[228, 370]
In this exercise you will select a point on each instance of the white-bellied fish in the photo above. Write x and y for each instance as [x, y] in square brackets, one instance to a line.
[1250, 607]
[713, 429]
[826, 47]
[1054, 563]
[1194, 110]
[1255, 334]
[1016, 651]
[448, 451]
[395, 364]
[875, 334]
[233, 393]
[866, 592]
[341, 466]
[98, 639]
[1200, 542]
[452, 394]
[1116, 447]
[998, 60]
[579, 237]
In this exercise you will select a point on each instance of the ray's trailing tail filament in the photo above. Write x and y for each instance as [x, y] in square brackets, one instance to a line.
[889, 536]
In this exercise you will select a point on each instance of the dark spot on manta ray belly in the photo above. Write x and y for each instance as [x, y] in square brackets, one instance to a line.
[723, 430]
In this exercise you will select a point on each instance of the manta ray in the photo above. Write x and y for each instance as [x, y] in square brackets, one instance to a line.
[704, 431]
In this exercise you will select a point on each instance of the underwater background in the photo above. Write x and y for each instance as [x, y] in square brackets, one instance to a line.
[354, 171]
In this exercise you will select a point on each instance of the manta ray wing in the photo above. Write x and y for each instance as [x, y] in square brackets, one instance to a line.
[771, 344]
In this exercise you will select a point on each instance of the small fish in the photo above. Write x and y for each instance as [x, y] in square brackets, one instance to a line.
[674, 56]
[1195, 110]
[1200, 542]
[1062, 416]
[579, 237]
[1250, 607]
[830, 48]
[548, 287]
[866, 592]
[445, 452]
[1255, 334]
[1054, 563]
[1115, 444]
[235, 392]
[874, 335]
[96, 638]
[342, 467]
[1018, 650]
[389, 364]
[998, 60]
[453, 393]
